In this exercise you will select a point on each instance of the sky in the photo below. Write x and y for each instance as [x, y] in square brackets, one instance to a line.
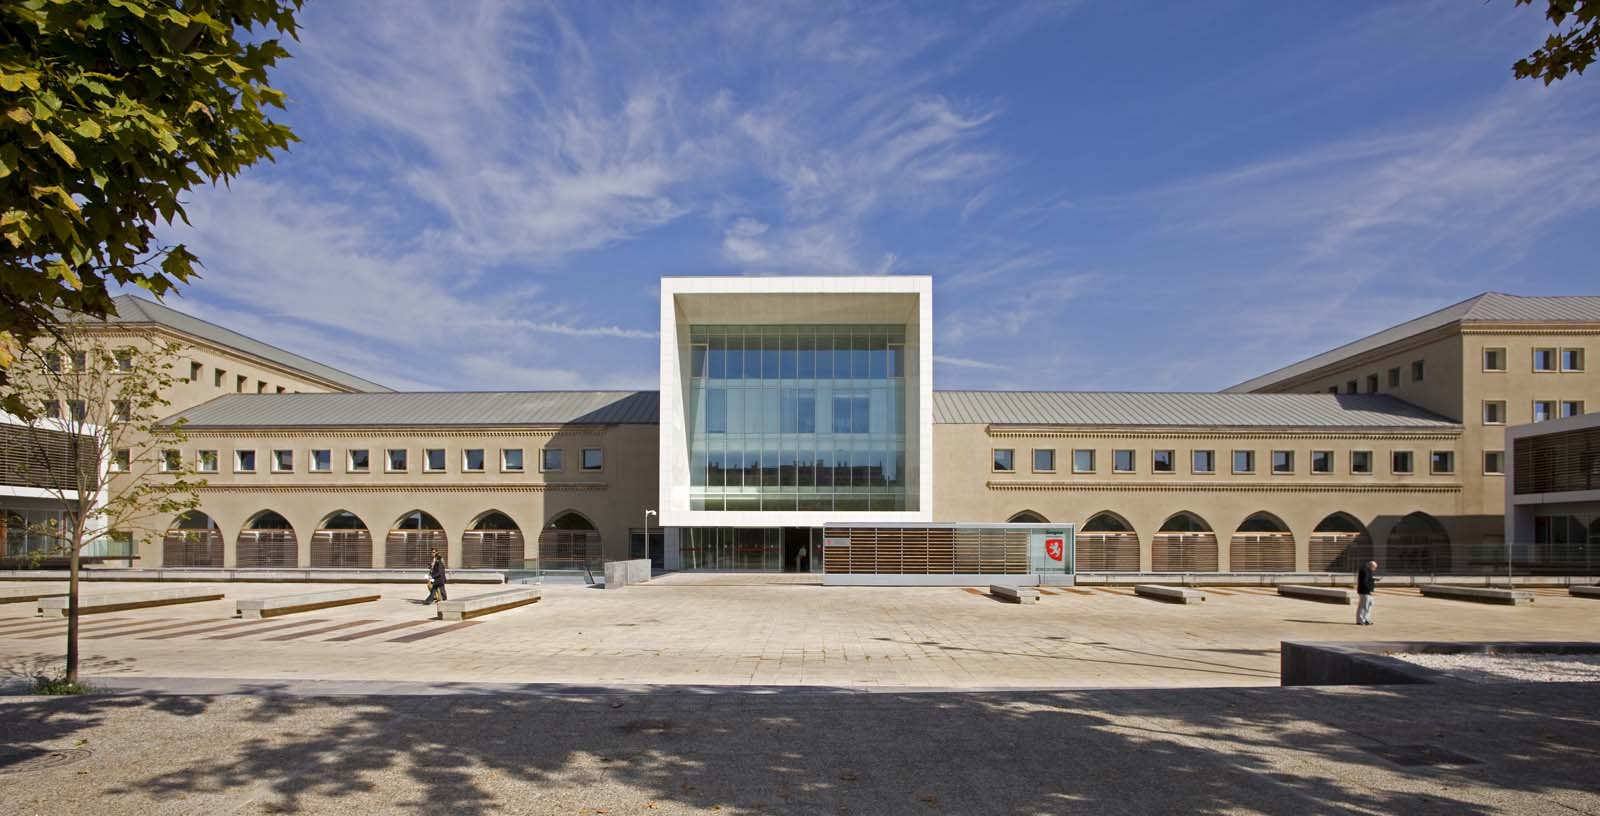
[1109, 196]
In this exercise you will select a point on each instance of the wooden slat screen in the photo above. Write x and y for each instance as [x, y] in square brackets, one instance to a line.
[1184, 552]
[406, 549]
[927, 551]
[1339, 552]
[1558, 462]
[1108, 552]
[569, 550]
[271, 549]
[23, 464]
[1261, 552]
[492, 549]
[191, 548]
[343, 549]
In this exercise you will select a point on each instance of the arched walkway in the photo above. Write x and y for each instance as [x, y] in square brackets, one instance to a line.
[1418, 544]
[1027, 517]
[193, 540]
[342, 541]
[1340, 543]
[569, 542]
[1185, 543]
[494, 541]
[1108, 543]
[267, 541]
[413, 539]
[1262, 543]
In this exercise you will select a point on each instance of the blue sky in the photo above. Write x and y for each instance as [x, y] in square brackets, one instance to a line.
[1126, 196]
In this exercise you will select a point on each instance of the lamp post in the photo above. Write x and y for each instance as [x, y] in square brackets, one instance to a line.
[647, 515]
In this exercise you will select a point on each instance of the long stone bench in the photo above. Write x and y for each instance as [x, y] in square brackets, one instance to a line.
[1492, 595]
[256, 608]
[56, 606]
[25, 594]
[1323, 594]
[1170, 594]
[487, 604]
[1584, 591]
[1016, 594]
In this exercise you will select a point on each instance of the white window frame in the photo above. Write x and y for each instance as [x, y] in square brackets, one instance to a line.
[238, 465]
[1273, 464]
[1172, 460]
[427, 460]
[543, 461]
[1133, 456]
[1370, 468]
[1555, 406]
[1561, 360]
[274, 460]
[349, 460]
[1434, 471]
[121, 461]
[1555, 359]
[1233, 461]
[1486, 470]
[1208, 451]
[483, 460]
[1311, 462]
[1093, 463]
[1561, 409]
[1485, 413]
[1033, 460]
[170, 461]
[1484, 360]
[200, 460]
[521, 452]
[994, 464]
[311, 460]
[388, 460]
[583, 455]
[1410, 454]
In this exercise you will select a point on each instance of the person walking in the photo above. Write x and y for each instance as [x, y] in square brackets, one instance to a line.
[436, 579]
[1366, 582]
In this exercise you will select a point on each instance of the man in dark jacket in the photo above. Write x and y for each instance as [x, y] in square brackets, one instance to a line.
[1366, 581]
[436, 579]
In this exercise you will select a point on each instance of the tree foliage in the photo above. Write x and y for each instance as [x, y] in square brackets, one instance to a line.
[1564, 52]
[109, 111]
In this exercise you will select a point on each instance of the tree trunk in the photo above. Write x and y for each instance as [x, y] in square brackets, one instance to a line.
[72, 611]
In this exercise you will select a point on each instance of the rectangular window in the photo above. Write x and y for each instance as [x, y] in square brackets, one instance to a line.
[1544, 410]
[1350, 387]
[1544, 359]
[358, 460]
[282, 390]
[1282, 461]
[80, 361]
[1083, 461]
[1442, 462]
[1372, 383]
[1494, 359]
[52, 361]
[1572, 359]
[1494, 463]
[244, 461]
[433, 459]
[511, 460]
[52, 409]
[1322, 461]
[217, 377]
[1571, 408]
[552, 459]
[124, 360]
[79, 410]
[1044, 460]
[1163, 461]
[282, 461]
[206, 461]
[1204, 461]
[120, 461]
[396, 460]
[1244, 461]
[1394, 377]
[593, 459]
[472, 460]
[1361, 462]
[1416, 371]
[321, 460]
[1333, 389]
[239, 383]
[1494, 412]
[1004, 460]
[171, 461]
[195, 370]
[1400, 462]
[119, 410]
[1122, 461]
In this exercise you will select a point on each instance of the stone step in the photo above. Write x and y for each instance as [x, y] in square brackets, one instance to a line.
[56, 606]
[487, 604]
[256, 608]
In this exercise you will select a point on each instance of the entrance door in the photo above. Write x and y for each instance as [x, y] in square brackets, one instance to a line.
[797, 554]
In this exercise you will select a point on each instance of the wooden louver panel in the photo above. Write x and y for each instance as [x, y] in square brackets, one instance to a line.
[1339, 552]
[1184, 552]
[1261, 552]
[492, 549]
[927, 551]
[569, 550]
[407, 549]
[341, 549]
[267, 549]
[1108, 552]
[191, 548]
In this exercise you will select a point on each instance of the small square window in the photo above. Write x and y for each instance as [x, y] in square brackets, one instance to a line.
[52, 409]
[1282, 461]
[171, 461]
[80, 361]
[79, 410]
[1350, 387]
[1494, 412]
[511, 460]
[1494, 359]
[195, 370]
[1044, 460]
[124, 360]
[1122, 461]
[1244, 461]
[239, 382]
[1333, 389]
[1163, 461]
[1417, 371]
[1360, 462]
[433, 459]
[1372, 383]
[1004, 460]
[1544, 359]
[1083, 461]
[1572, 359]
[244, 461]
[321, 460]
[1400, 462]
[1394, 377]
[1494, 463]
[120, 461]
[358, 460]
[396, 460]
[592, 459]
[261, 387]
[1205, 461]
[52, 361]
[552, 459]
[282, 461]
[217, 377]
[119, 410]
[206, 461]
[1322, 461]
[1571, 408]
[1544, 410]
[472, 460]
[1442, 462]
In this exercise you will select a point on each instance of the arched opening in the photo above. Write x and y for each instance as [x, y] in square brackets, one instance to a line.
[267, 541]
[569, 542]
[413, 539]
[493, 541]
[1340, 543]
[1262, 543]
[1419, 544]
[1185, 543]
[342, 541]
[1027, 517]
[193, 540]
[1108, 543]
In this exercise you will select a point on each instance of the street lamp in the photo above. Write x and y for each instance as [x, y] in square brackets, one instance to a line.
[647, 515]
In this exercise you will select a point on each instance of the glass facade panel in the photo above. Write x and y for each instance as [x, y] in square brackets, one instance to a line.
[797, 417]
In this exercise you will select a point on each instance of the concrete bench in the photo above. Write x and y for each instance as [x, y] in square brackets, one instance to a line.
[257, 608]
[1324, 594]
[1584, 591]
[487, 604]
[1170, 594]
[1492, 595]
[25, 594]
[622, 573]
[1016, 594]
[56, 606]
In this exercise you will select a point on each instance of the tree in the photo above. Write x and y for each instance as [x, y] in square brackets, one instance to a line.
[96, 447]
[1564, 52]
[110, 110]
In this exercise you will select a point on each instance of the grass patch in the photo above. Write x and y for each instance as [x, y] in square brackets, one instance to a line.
[58, 686]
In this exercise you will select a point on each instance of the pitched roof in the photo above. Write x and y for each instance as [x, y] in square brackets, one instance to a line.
[424, 409]
[1489, 307]
[1167, 410]
[131, 309]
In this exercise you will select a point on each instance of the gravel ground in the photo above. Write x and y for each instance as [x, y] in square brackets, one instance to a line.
[1512, 668]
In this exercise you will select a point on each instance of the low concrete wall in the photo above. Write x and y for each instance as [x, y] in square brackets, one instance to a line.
[1169, 594]
[962, 580]
[622, 573]
[1321, 594]
[1367, 663]
[1488, 595]
[1270, 579]
[257, 608]
[489, 603]
[297, 575]
[55, 606]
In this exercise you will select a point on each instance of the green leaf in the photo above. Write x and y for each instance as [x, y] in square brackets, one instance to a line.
[88, 128]
[61, 149]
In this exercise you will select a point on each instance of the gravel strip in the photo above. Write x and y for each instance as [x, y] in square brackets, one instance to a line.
[1511, 668]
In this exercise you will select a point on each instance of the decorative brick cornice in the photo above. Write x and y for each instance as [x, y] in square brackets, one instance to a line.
[1217, 487]
[1527, 329]
[489, 487]
[1085, 432]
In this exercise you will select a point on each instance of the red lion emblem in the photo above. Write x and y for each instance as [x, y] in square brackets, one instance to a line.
[1055, 548]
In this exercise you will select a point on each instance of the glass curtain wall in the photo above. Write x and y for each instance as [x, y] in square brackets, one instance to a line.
[804, 418]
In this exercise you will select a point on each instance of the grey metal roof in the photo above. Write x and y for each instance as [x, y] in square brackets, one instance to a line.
[131, 309]
[1169, 410]
[1489, 307]
[424, 409]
